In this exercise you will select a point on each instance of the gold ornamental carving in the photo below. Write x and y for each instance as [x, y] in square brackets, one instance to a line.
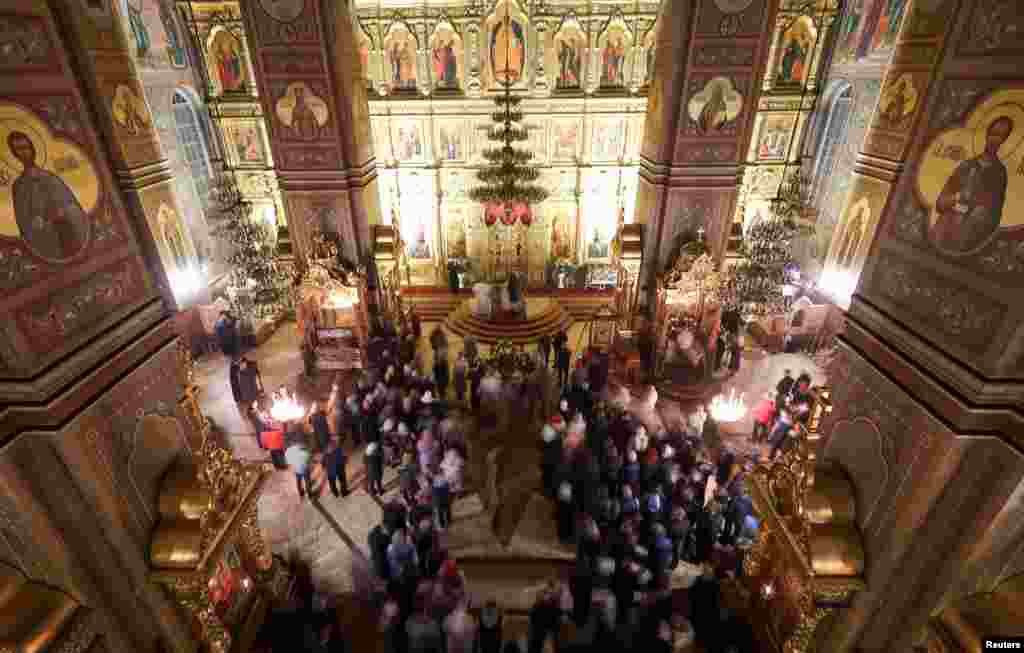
[783, 560]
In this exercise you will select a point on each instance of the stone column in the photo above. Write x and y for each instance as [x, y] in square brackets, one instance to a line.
[929, 373]
[690, 156]
[324, 155]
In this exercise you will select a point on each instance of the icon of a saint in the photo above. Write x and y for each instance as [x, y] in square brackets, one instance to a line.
[714, 114]
[48, 214]
[229, 66]
[970, 206]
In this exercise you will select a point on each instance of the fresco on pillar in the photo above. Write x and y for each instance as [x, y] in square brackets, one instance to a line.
[567, 55]
[446, 56]
[793, 53]
[970, 180]
[57, 212]
[727, 18]
[894, 117]
[994, 28]
[614, 45]
[301, 112]
[400, 58]
[714, 106]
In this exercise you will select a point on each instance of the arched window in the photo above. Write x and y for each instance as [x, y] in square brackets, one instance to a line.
[192, 145]
[829, 137]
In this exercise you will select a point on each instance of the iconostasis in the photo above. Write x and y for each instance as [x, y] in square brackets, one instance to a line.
[583, 72]
[428, 155]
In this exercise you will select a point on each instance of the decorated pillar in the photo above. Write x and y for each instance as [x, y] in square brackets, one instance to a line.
[702, 98]
[318, 117]
[929, 372]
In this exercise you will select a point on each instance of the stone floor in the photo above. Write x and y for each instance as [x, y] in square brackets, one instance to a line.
[331, 533]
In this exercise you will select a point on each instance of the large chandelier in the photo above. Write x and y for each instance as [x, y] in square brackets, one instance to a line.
[507, 183]
[756, 286]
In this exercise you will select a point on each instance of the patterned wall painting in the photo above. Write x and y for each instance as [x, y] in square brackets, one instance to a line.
[400, 58]
[794, 51]
[969, 178]
[446, 57]
[227, 61]
[154, 37]
[301, 112]
[567, 56]
[899, 100]
[614, 45]
[713, 108]
[130, 111]
[50, 187]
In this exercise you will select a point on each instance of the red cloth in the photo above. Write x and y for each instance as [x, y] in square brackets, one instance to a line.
[273, 439]
[764, 411]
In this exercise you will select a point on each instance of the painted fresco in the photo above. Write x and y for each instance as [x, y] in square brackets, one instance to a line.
[565, 140]
[302, 113]
[284, 11]
[567, 55]
[446, 57]
[153, 34]
[852, 234]
[450, 142]
[715, 107]
[245, 142]
[227, 62]
[608, 140]
[400, 58]
[650, 40]
[50, 188]
[409, 145]
[899, 100]
[888, 26]
[774, 136]
[615, 44]
[456, 219]
[171, 234]
[794, 53]
[969, 177]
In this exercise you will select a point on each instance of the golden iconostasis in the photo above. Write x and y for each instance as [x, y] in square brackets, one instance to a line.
[588, 162]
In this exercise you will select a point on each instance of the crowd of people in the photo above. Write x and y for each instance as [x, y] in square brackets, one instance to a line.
[636, 503]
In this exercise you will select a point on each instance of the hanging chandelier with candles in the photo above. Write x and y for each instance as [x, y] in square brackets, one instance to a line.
[508, 187]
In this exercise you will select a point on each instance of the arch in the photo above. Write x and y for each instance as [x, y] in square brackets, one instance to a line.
[192, 143]
[828, 131]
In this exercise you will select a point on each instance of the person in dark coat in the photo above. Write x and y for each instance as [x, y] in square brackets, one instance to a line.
[234, 369]
[563, 358]
[226, 330]
[490, 634]
[374, 469]
[441, 375]
[318, 420]
[566, 512]
[250, 383]
[442, 497]
[334, 463]
[544, 347]
[476, 374]
[784, 386]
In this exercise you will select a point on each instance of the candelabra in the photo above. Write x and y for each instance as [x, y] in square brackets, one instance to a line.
[728, 409]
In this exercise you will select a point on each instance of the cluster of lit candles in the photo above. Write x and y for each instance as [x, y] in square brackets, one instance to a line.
[286, 406]
[728, 409]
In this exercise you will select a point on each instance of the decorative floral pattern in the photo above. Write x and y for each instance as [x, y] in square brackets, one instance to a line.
[17, 269]
[70, 312]
[955, 311]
